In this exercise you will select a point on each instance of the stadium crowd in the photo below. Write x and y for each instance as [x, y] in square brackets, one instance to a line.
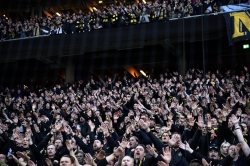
[114, 15]
[196, 119]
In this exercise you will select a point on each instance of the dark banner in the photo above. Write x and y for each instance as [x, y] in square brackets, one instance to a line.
[238, 26]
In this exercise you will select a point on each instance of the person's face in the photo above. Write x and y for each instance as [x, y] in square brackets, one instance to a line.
[58, 144]
[80, 157]
[214, 122]
[26, 142]
[58, 117]
[51, 150]
[231, 149]
[3, 158]
[97, 145]
[244, 126]
[87, 138]
[127, 161]
[132, 142]
[244, 118]
[164, 129]
[165, 138]
[207, 116]
[65, 161]
[204, 130]
[213, 154]
[47, 106]
[139, 152]
[135, 106]
[247, 110]
[224, 149]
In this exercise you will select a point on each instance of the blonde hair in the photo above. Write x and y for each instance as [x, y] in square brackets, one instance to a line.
[222, 145]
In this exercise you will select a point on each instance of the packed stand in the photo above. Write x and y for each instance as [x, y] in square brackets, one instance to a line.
[169, 119]
[114, 15]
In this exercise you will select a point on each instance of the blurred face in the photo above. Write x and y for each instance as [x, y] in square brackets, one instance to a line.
[58, 144]
[244, 126]
[51, 150]
[178, 138]
[26, 142]
[127, 161]
[80, 157]
[139, 152]
[231, 149]
[133, 142]
[3, 158]
[47, 106]
[204, 130]
[224, 149]
[165, 138]
[164, 129]
[213, 154]
[214, 122]
[97, 145]
[65, 161]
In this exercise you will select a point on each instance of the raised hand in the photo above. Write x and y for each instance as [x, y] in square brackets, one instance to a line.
[166, 154]
[234, 119]
[237, 148]
[48, 162]
[91, 125]
[100, 155]
[118, 151]
[23, 155]
[110, 124]
[89, 159]
[151, 151]
[124, 142]
[19, 162]
[104, 129]
[194, 105]
[205, 163]
[200, 122]
[69, 145]
[173, 140]
[186, 147]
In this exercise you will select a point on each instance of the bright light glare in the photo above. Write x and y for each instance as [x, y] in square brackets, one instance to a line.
[143, 73]
[58, 14]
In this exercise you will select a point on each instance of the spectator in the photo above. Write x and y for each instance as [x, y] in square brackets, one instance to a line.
[36, 30]
[170, 119]
[144, 16]
[113, 15]
[45, 29]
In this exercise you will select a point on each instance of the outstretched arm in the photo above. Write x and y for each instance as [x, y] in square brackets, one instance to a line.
[238, 132]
